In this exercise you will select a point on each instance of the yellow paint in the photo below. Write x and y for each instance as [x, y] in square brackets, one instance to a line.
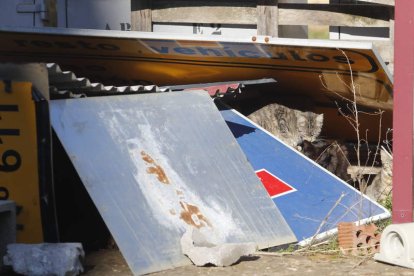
[304, 71]
[21, 181]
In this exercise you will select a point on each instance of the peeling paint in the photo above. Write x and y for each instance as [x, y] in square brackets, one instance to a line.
[174, 204]
[192, 215]
[156, 169]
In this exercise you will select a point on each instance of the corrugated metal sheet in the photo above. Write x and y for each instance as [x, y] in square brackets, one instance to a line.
[155, 164]
[222, 88]
[65, 84]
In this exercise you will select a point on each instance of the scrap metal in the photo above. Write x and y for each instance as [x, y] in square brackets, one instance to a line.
[156, 164]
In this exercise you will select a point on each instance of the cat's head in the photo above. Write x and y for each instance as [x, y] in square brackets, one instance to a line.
[309, 125]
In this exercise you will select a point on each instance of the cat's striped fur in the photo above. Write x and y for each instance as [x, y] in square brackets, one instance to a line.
[289, 125]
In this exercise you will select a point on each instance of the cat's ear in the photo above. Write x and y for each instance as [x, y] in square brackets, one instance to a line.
[386, 157]
[319, 119]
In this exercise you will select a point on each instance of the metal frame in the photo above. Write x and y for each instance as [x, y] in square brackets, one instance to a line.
[403, 112]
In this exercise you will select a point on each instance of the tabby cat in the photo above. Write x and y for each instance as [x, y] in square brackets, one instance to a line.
[381, 186]
[289, 125]
[330, 154]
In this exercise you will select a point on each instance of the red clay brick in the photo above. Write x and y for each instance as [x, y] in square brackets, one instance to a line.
[358, 240]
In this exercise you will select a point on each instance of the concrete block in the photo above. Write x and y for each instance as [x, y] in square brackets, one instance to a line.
[201, 251]
[45, 259]
[7, 226]
[397, 245]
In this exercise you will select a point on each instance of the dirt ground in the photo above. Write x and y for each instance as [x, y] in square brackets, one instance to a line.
[111, 262]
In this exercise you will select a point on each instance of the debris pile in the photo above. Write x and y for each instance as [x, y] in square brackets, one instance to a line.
[192, 170]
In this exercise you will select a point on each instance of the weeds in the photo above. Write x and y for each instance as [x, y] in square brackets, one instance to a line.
[387, 203]
[352, 116]
[351, 113]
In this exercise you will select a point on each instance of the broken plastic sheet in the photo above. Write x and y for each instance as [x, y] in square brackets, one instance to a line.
[156, 164]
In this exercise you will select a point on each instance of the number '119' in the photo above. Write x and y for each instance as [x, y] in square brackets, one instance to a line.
[10, 159]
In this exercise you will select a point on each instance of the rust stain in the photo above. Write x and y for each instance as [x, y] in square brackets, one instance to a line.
[156, 169]
[192, 215]
[178, 192]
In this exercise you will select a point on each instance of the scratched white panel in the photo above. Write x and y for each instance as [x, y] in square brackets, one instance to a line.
[156, 164]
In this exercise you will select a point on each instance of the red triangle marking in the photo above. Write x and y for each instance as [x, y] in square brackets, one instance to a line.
[274, 186]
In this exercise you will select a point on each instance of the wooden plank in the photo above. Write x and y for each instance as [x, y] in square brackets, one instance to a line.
[206, 14]
[349, 15]
[267, 17]
[141, 18]
[311, 17]
[382, 2]
[356, 171]
[288, 14]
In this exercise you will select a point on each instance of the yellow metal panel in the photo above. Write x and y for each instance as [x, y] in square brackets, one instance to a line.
[19, 179]
[316, 69]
